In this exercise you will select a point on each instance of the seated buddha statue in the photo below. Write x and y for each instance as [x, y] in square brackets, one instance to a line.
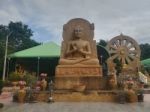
[78, 51]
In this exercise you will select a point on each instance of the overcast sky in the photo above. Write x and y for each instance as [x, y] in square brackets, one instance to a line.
[111, 17]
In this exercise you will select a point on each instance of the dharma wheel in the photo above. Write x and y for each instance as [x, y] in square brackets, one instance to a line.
[123, 48]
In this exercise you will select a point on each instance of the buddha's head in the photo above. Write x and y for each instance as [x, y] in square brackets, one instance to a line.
[78, 32]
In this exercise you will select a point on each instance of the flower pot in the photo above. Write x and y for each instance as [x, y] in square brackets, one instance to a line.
[131, 96]
[21, 95]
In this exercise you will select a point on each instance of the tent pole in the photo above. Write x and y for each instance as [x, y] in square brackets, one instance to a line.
[8, 67]
[38, 67]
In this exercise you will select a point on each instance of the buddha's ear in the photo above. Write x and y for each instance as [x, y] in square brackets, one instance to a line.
[92, 26]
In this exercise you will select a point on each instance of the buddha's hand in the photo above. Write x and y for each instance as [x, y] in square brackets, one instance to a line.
[75, 48]
[81, 50]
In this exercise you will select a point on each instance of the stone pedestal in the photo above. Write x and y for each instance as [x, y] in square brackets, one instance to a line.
[68, 76]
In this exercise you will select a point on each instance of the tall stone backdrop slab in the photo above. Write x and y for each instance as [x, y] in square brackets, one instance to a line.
[78, 71]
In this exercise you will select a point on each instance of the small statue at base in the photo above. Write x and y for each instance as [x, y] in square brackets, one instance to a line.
[44, 84]
[43, 81]
[112, 81]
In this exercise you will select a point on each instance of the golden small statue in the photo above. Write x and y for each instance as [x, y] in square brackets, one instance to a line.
[43, 81]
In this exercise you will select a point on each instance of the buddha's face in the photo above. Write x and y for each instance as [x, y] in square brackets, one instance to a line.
[78, 32]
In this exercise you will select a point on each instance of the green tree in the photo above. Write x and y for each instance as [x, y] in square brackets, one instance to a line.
[19, 39]
[21, 36]
[145, 51]
[102, 43]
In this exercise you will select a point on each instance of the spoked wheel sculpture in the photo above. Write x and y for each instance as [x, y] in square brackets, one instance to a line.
[125, 49]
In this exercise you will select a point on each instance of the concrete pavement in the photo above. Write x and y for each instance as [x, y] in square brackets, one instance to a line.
[78, 107]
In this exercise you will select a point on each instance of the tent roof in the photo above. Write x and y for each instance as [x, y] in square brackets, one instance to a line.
[50, 49]
[146, 62]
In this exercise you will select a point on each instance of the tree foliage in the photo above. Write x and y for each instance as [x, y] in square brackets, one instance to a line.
[102, 43]
[19, 39]
[145, 51]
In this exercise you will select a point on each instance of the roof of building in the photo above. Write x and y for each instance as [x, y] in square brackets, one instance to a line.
[46, 50]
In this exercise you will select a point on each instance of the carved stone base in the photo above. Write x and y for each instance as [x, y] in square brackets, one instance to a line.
[78, 70]
[69, 96]
[67, 77]
[91, 83]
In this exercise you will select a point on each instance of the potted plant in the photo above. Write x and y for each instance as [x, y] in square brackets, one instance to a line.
[30, 79]
[14, 78]
[43, 81]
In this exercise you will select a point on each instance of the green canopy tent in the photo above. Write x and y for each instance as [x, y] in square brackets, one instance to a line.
[146, 63]
[50, 49]
[44, 51]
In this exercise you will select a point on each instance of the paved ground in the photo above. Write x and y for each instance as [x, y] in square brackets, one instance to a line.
[76, 107]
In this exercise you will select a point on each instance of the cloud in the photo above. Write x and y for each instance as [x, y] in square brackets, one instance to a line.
[9, 13]
[111, 17]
